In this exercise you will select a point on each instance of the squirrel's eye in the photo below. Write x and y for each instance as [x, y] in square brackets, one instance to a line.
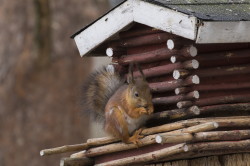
[136, 94]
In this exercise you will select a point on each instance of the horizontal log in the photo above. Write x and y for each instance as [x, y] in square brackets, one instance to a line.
[221, 86]
[213, 87]
[177, 58]
[76, 161]
[224, 58]
[115, 51]
[156, 55]
[174, 99]
[145, 49]
[178, 43]
[147, 140]
[80, 154]
[200, 149]
[177, 113]
[234, 135]
[184, 104]
[223, 100]
[65, 148]
[139, 31]
[183, 90]
[147, 157]
[226, 79]
[226, 108]
[177, 128]
[206, 48]
[167, 69]
[180, 73]
[149, 39]
[223, 71]
[173, 84]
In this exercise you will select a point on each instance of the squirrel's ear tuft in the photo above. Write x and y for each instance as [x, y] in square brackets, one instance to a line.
[130, 77]
[140, 70]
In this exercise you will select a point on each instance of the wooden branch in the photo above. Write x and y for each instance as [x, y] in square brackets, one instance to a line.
[145, 40]
[228, 47]
[233, 135]
[174, 99]
[226, 107]
[157, 55]
[183, 90]
[223, 71]
[180, 74]
[223, 100]
[221, 145]
[101, 141]
[65, 148]
[167, 69]
[80, 154]
[184, 104]
[177, 113]
[220, 59]
[200, 149]
[139, 32]
[177, 58]
[171, 85]
[147, 140]
[177, 43]
[222, 86]
[173, 138]
[148, 157]
[115, 51]
[76, 161]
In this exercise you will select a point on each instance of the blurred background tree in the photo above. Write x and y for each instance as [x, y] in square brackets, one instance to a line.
[41, 73]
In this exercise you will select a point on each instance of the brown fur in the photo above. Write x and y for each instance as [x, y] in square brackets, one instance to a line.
[123, 107]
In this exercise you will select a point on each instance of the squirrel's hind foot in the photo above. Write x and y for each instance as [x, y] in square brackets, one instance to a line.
[135, 138]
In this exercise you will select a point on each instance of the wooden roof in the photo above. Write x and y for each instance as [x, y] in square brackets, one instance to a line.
[216, 21]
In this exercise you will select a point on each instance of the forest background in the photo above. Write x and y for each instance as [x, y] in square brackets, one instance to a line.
[41, 74]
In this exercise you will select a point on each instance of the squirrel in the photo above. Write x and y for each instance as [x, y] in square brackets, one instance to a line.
[123, 106]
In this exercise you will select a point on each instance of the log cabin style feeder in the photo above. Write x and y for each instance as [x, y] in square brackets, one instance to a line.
[196, 57]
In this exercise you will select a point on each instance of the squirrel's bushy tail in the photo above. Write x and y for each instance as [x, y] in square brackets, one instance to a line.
[97, 90]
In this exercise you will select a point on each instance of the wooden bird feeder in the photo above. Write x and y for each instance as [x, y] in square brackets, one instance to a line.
[196, 57]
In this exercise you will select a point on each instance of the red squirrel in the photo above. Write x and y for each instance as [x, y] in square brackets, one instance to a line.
[123, 106]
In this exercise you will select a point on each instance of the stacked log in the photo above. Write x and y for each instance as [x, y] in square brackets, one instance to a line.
[205, 86]
[181, 77]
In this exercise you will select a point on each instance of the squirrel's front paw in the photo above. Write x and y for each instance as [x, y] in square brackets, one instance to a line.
[142, 110]
[150, 110]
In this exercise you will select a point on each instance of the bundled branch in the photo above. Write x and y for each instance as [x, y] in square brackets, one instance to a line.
[115, 51]
[138, 32]
[149, 39]
[147, 157]
[234, 135]
[223, 71]
[148, 140]
[174, 99]
[226, 107]
[223, 100]
[174, 128]
[177, 113]
[76, 161]
[212, 149]
[171, 85]
[167, 69]
[156, 55]
[213, 87]
[65, 148]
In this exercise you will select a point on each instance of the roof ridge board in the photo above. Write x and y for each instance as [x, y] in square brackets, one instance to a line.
[88, 25]
[168, 2]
